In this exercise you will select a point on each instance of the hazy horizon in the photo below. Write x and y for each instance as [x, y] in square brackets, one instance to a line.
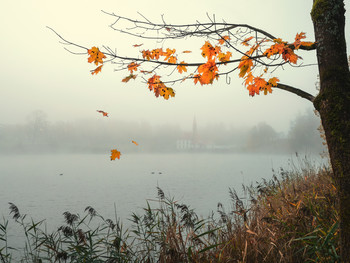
[39, 74]
[41, 135]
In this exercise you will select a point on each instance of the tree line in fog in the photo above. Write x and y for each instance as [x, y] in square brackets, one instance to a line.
[39, 135]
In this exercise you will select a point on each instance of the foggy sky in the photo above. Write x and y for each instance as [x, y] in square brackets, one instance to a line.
[38, 74]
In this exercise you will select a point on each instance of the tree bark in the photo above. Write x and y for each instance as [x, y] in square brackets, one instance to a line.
[333, 103]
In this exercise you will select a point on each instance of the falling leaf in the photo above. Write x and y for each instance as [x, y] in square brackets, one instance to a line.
[187, 51]
[137, 45]
[135, 143]
[115, 154]
[131, 76]
[105, 114]
[96, 70]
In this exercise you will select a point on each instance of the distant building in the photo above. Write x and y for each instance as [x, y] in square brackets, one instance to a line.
[191, 141]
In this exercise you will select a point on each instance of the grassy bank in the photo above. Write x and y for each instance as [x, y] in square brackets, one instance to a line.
[290, 218]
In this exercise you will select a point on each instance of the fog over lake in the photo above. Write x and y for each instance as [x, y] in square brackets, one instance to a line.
[45, 186]
[48, 168]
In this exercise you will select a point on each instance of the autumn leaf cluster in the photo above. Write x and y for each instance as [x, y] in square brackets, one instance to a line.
[96, 56]
[215, 56]
[255, 84]
[206, 73]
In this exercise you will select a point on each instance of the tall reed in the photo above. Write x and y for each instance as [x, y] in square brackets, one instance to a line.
[289, 218]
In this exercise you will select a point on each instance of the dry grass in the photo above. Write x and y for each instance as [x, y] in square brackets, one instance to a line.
[290, 218]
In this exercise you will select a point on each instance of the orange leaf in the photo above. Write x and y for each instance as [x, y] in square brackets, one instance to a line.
[131, 76]
[277, 48]
[187, 51]
[166, 92]
[96, 56]
[245, 41]
[155, 53]
[133, 67]
[115, 154]
[182, 67]
[135, 143]
[298, 39]
[153, 82]
[196, 78]
[146, 54]
[172, 60]
[249, 78]
[96, 70]
[137, 45]
[145, 72]
[209, 51]
[306, 43]
[224, 39]
[245, 66]
[225, 57]
[105, 114]
[288, 54]
[159, 88]
[208, 72]
[273, 81]
[169, 52]
[259, 82]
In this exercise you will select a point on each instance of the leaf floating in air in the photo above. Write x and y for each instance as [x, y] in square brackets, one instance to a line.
[135, 143]
[96, 70]
[131, 76]
[115, 154]
[105, 114]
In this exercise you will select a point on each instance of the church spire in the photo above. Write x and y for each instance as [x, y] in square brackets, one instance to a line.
[194, 131]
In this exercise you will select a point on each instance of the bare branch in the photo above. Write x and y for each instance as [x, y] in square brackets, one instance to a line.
[296, 91]
[183, 30]
[238, 34]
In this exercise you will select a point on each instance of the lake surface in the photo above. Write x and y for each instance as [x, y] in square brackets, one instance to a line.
[34, 183]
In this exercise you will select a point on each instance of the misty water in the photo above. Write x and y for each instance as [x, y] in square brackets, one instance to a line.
[45, 186]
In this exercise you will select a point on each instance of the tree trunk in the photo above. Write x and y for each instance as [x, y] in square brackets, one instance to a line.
[333, 102]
